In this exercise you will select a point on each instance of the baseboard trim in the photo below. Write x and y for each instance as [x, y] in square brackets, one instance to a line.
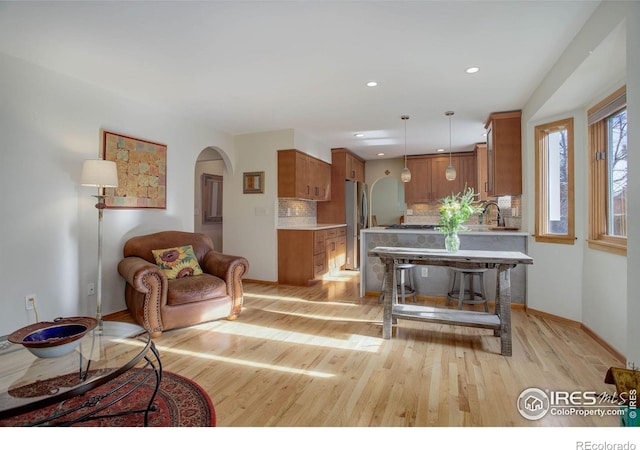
[546, 315]
[619, 356]
[249, 280]
[605, 344]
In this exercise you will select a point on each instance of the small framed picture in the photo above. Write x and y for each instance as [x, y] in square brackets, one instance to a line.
[253, 183]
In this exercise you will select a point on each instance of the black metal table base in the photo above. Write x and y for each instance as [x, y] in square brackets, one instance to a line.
[97, 403]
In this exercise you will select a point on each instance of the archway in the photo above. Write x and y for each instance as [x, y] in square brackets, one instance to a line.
[208, 186]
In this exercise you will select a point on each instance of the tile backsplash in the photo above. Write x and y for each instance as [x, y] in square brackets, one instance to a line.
[295, 212]
[423, 213]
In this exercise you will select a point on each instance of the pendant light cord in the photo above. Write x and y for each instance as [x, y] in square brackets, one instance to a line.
[450, 138]
[405, 118]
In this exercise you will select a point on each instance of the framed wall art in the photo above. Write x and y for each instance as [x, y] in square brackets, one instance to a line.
[142, 172]
[253, 183]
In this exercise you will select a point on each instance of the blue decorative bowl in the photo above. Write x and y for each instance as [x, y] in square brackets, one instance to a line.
[52, 339]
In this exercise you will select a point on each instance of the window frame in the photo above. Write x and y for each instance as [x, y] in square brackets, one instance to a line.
[541, 132]
[599, 176]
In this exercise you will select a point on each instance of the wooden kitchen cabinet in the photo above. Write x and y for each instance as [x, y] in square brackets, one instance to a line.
[303, 176]
[504, 154]
[320, 176]
[305, 256]
[343, 165]
[336, 249]
[428, 182]
[418, 190]
[482, 171]
[354, 168]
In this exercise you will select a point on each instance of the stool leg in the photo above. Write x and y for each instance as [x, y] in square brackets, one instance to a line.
[402, 286]
[454, 274]
[412, 286]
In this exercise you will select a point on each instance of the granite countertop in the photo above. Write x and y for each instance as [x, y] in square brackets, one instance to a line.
[319, 226]
[474, 230]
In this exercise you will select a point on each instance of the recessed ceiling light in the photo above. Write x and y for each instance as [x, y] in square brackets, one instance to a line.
[372, 83]
[359, 135]
[472, 70]
[440, 150]
[380, 154]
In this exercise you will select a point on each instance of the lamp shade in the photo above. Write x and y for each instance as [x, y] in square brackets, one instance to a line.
[450, 173]
[405, 176]
[100, 173]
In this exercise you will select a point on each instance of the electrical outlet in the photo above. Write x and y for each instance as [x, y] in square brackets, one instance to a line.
[91, 289]
[424, 271]
[29, 301]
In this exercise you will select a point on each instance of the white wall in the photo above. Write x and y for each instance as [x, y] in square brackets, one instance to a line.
[49, 124]
[250, 220]
[249, 227]
[574, 281]
[549, 289]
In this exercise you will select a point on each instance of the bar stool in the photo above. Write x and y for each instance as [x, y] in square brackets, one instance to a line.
[406, 288]
[467, 295]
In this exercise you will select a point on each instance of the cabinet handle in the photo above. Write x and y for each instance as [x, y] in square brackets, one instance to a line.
[486, 186]
[308, 187]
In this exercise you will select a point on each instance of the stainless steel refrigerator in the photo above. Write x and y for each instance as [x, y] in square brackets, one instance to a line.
[357, 212]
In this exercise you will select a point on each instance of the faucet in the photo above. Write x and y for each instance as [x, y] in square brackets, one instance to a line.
[486, 210]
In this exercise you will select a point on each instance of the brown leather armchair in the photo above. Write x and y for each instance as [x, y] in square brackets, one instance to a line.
[160, 304]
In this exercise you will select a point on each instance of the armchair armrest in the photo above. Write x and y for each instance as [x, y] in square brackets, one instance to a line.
[134, 270]
[146, 291]
[231, 269]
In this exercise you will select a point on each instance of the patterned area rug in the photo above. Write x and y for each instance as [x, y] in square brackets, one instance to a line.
[180, 402]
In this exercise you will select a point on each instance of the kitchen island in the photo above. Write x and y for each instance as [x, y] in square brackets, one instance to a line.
[436, 283]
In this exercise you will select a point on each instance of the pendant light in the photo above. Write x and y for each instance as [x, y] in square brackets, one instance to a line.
[450, 173]
[405, 176]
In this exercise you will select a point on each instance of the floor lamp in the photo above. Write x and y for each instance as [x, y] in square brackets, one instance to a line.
[101, 174]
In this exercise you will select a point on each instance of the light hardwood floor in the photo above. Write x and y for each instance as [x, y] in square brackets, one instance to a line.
[315, 357]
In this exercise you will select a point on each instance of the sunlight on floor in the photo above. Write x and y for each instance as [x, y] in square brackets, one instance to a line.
[315, 316]
[353, 342]
[294, 299]
[240, 362]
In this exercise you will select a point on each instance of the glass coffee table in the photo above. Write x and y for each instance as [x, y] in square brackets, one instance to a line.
[110, 351]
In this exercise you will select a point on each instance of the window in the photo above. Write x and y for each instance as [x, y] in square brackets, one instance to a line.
[554, 182]
[608, 174]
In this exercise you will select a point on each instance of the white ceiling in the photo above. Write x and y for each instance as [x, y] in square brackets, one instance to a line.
[243, 67]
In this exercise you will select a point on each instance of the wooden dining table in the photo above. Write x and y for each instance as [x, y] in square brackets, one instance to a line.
[499, 321]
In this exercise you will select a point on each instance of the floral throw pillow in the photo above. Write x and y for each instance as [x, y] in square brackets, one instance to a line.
[177, 262]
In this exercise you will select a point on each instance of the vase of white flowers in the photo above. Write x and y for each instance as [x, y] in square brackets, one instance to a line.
[456, 209]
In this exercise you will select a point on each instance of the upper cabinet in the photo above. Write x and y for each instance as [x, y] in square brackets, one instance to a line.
[303, 176]
[354, 167]
[504, 154]
[428, 182]
[344, 166]
[482, 171]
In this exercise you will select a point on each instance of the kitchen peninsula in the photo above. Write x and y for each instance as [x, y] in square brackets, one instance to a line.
[436, 283]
